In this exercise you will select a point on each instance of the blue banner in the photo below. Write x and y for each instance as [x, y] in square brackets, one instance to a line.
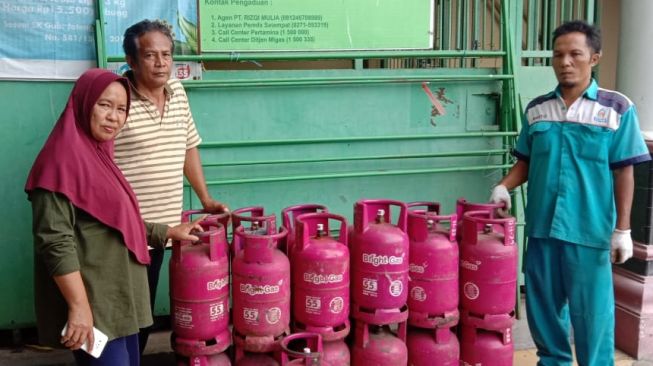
[53, 30]
[55, 39]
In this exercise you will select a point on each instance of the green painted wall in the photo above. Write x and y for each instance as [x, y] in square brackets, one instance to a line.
[250, 123]
[29, 112]
[254, 113]
[332, 111]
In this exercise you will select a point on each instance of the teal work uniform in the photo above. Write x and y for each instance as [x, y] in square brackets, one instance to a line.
[570, 216]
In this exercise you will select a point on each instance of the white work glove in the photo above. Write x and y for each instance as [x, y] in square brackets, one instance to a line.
[621, 246]
[500, 195]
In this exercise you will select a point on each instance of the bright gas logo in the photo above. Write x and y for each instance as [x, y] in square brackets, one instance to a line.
[469, 265]
[319, 279]
[380, 260]
[416, 268]
[254, 290]
[217, 284]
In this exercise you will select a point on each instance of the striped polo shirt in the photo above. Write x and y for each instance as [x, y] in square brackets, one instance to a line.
[571, 153]
[151, 149]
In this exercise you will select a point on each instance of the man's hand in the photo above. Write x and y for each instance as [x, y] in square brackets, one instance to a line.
[500, 195]
[214, 207]
[621, 246]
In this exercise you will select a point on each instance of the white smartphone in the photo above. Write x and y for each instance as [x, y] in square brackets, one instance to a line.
[98, 346]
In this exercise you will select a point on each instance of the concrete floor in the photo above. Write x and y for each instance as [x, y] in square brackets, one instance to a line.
[159, 353]
[528, 358]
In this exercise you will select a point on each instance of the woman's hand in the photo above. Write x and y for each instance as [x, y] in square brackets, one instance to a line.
[183, 231]
[79, 329]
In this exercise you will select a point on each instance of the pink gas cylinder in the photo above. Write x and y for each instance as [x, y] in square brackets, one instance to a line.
[379, 263]
[199, 294]
[488, 264]
[320, 272]
[432, 208]
[223, 219]
[433, 284]
[376, 345]
[438, 347]
[496, 322]
[336, 353]
[428, 206]
[255, 220]
[261, 291]
[254, 359]
[463, 206]
[302, 349]
[221, 359]
[486, 347]
[288, 216]
[209, 219]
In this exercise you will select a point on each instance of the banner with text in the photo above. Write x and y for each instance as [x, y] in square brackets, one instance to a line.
[55, 39]
[299, 25]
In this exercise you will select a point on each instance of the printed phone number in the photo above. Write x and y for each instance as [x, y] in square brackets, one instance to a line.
[310, 25]
[263, 39]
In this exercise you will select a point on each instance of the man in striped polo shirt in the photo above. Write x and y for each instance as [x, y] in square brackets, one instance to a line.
[576, 149]
[158, 144]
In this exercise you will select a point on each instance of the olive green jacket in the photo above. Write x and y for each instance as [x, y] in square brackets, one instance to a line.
[67, 239]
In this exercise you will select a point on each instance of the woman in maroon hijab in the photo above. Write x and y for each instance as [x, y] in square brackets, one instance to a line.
[90, 241]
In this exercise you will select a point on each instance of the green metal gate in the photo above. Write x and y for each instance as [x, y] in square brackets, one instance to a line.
[409, 125]
[332, 136]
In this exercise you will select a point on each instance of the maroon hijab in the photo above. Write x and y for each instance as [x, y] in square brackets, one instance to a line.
[76, 165]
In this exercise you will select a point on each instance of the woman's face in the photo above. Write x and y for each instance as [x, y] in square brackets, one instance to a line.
[109, 112]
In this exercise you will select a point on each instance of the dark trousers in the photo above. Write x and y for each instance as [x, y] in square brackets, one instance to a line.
[153, 271]
[120, 351]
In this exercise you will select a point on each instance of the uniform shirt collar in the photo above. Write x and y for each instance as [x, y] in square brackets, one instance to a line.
[591, 92]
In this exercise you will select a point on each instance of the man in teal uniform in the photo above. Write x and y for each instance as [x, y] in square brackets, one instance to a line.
[576, 149]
